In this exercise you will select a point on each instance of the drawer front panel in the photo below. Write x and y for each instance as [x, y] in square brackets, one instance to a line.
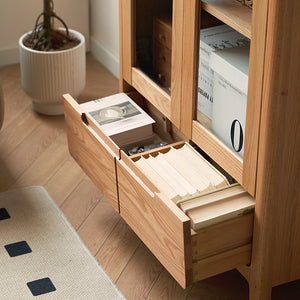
[163, 228]
[162, 57]
[162, 34]
[90, 152]
[222, 237]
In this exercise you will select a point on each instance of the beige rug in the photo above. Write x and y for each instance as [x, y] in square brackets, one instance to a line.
[41, 255]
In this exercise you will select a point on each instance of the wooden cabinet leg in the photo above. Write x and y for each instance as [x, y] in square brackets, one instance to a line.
[259, 292]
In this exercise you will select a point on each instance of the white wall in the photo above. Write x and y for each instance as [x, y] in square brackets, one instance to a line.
[98, 20]
[18, 17]
[104, 31]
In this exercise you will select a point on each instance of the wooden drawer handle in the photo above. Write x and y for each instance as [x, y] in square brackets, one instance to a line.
[161, 37]
[161, 57]
[161, 77]
[84, 119]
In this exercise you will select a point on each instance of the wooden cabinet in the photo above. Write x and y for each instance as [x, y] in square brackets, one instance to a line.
[188, 255]
[272, 117]
[269, 170]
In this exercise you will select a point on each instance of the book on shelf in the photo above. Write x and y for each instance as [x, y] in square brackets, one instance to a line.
[218, 206]
[120, 118]
[212, 39]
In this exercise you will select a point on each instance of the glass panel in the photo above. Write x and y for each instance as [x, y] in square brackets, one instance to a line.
[154, 40]
[223, 82]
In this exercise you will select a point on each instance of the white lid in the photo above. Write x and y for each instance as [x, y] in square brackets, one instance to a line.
[233, 65]
[221, 37]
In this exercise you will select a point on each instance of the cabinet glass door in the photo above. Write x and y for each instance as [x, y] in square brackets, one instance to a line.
[225, 82]
[151, 52]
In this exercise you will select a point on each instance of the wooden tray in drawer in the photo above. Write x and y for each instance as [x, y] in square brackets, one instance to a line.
[189, 256]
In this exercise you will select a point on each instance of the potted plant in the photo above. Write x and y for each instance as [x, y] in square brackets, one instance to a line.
[52, 62]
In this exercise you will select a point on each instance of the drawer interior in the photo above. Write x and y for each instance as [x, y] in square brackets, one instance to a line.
[201, 191]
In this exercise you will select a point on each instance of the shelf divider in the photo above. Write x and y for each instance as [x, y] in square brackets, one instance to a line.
[232, 13]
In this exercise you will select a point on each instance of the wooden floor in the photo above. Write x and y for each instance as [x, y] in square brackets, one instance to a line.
[33, 151]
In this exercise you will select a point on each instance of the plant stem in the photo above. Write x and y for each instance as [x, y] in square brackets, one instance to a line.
[47, 21]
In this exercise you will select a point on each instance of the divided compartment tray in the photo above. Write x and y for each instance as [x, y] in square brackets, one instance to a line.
[189, 256]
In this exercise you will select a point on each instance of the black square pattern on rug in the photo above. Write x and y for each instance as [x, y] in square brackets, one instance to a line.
[4, 214]
[41, 286]
[18, 248]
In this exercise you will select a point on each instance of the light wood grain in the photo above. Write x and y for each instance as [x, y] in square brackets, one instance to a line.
[15, 132]
[98, 226]
[254, 98]
[276, 244]
[222, 237]
[152, 92]
[135, 269]
[87, 191]
[29, 150]
[91, 152]
[177, 67]
[126, 40]
[232, 13]
[118, 249]
[167, 288]
[61, 184]
[218, 151]
[191, 64]
[45, 165]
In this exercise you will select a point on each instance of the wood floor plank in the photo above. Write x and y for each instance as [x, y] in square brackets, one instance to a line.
[143, 266]
[167, 288]
[46, 165]
[16, 132]
[17, 103]
[29, 150]
[81, 202]
[230, 285]
[118, 249]
[99, 225]
[64, 181]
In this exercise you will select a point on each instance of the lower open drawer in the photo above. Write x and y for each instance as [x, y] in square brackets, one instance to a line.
[188, 255]
[165, 229]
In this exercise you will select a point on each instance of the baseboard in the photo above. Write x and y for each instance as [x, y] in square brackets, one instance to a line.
[105, 57]
[9, 56]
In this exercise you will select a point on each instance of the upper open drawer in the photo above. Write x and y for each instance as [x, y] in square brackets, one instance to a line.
[93, 151]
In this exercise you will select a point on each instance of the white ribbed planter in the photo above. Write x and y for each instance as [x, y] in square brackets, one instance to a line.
[46, 76]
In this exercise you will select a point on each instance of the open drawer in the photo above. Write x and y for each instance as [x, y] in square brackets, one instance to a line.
[95, 153]
[166, 230]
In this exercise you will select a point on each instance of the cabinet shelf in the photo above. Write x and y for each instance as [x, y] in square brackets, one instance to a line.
[232, 13]
[218, 151]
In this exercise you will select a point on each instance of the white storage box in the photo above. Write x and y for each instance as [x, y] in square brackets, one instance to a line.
[212, 39]
[231, 67]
